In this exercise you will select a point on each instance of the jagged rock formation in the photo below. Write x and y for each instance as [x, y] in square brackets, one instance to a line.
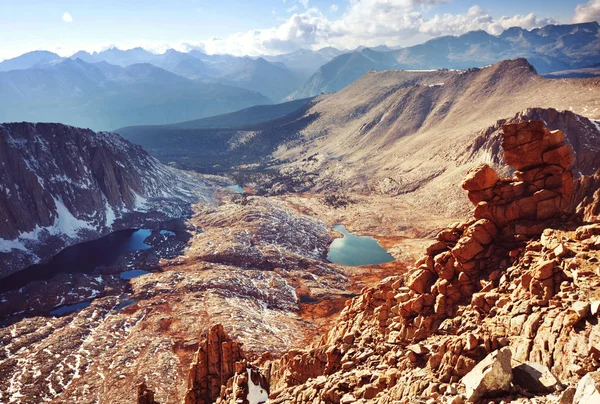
[220, 372]
[248, 386]
[214, 363]
[587, 191]
[145, 395]
[519, 275]
[60, 185]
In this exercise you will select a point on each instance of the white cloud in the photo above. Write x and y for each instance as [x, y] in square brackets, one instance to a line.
[67, 17]
[477, 19]
[363, 22]
[334, 7]
[587, 12]
[369, 23]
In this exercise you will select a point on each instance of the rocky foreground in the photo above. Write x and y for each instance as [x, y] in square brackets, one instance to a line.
[501, 308]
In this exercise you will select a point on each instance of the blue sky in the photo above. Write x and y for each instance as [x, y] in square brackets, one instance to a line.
[263, 26]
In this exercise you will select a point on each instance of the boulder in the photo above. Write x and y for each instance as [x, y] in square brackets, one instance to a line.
[491, 376]
[588, 389]
[480, 177]
[535, 378]
[420, 281]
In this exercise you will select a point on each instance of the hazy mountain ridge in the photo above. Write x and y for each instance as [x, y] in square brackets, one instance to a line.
[104, 96]
[198, 145]
[551, 48]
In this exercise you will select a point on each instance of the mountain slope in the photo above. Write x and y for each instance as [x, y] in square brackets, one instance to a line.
[62, 185]
[404, 133]
[104, 96]
[411, 129]
[198, 145]
[305, 62]
[551, 48]
[244, 118]
[29, 60]
[273, 80]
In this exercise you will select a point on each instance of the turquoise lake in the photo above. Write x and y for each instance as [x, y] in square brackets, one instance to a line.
[353, 250]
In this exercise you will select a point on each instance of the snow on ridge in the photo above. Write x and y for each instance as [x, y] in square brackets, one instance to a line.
[8, 245]
[110, 214]
[256, 394]
[67, 224]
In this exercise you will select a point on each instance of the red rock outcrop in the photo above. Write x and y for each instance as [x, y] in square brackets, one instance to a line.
[540, 189]
[484, 284]
[214, 364]
[587, 197]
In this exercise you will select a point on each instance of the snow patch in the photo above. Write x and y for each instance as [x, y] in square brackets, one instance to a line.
[67, 224]
[110, 215]
[8, 245]
[140, 203]
[256, 394]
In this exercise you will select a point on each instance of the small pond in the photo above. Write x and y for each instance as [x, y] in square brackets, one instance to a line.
[133, 273]
[353, 250]
[237, 188]
[71, 308]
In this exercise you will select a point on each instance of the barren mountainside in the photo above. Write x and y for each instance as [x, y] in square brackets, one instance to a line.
[488, 313]
[396, 132]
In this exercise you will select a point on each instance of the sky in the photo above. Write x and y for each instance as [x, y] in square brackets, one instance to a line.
[264, 27]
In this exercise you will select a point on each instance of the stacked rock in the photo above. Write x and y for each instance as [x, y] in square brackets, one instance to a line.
[508, 212]
[541, 188]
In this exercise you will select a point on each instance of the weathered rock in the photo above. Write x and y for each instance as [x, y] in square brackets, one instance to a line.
[535, 378]
[214, 363]
[588, 389]
[145, 395]
[491, 376]
[479, 178]
[567, 396]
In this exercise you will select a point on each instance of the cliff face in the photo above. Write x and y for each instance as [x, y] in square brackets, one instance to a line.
[60, 185]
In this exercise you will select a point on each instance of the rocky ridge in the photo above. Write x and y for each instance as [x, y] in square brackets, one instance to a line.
[67, 185]
[515, 285]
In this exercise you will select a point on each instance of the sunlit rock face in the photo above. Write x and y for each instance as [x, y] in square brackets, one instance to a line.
[60, 185]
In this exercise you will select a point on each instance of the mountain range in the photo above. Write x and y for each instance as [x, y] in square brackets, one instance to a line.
[104, 96]
[227, 274]
[548, 49]
[115, 88]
